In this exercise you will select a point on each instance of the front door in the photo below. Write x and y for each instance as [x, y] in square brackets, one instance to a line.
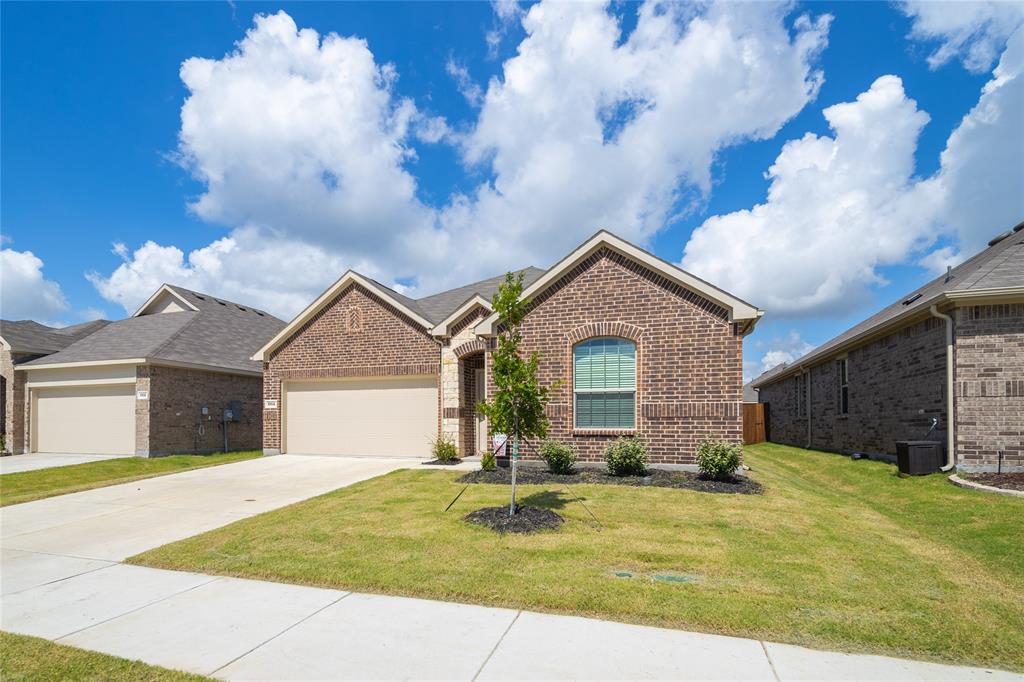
[481, 421]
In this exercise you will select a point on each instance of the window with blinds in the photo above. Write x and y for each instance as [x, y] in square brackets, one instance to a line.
[604, 383]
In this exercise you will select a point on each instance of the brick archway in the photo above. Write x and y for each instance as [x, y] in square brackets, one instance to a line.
[593, 329]
[468, 348]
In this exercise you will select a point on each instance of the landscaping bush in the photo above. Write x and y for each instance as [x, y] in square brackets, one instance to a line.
[626, 456]
[488, 461]
[559, 456]
[718, 459]
[444, 450]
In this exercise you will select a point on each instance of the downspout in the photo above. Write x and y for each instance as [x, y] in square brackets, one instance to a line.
[807, 378]
[950, 420]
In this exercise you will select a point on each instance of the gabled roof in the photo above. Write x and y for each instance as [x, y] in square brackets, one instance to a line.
[28, 336]
[435, 312]
[211, 333]
[739, 310]
[994, 274]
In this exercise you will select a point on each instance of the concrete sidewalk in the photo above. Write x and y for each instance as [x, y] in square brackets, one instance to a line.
[60, 579]
[250, 630]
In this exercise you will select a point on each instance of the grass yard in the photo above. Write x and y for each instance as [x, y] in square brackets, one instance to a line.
[25, 486]
[835, 554]
[30, 658]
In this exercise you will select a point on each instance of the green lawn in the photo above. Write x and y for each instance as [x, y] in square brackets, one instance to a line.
[30, 658]
[25, 486]
[836, 554]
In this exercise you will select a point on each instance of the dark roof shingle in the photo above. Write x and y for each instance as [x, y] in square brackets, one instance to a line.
[220, 334]
[29, 336]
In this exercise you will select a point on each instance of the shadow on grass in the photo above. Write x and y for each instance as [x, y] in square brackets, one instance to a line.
[549, 499]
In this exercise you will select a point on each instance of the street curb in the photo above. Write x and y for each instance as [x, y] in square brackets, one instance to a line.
[963, 483]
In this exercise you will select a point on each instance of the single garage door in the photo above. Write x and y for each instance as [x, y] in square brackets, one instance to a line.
[394, 417]
[85, 419]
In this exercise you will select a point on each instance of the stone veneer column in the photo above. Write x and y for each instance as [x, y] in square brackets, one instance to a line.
[451, 379]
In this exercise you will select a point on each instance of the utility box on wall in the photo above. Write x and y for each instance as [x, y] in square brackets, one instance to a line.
[918, 457]
[234, 411]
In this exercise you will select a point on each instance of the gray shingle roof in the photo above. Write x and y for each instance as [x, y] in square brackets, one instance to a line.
[220, 334]
[437, 307]
[998, 266]
[28, 336]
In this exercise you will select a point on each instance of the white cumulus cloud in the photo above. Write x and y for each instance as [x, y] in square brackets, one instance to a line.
[24, 292]
[837, 208]
[975, 32]
[840, 207]
[304, 146]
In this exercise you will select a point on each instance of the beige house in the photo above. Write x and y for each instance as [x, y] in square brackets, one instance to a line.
[174, 377]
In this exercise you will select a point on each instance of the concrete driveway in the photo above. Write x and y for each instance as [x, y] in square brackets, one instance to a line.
[118, 521]
[45, 460]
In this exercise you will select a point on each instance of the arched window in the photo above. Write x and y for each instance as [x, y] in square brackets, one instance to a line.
[604, 383]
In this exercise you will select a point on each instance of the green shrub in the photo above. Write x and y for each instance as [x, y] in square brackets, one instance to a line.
[559, 456]
[444, 450]
[626, 456]
[718, 459]
[488, 461]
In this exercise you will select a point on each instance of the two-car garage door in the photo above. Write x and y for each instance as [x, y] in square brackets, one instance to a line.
[85, 419]
[390, 417]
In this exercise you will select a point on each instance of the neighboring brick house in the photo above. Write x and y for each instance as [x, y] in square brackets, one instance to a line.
[632, 344]
[141, 385]
[22, 341]
[889, 377]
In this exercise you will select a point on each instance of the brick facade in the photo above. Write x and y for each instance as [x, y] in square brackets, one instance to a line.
[356, 334]
[689, 357]
[170, 421]
[990, 386]
[896, 387]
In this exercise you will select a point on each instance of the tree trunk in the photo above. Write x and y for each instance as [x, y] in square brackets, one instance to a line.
[515, 463]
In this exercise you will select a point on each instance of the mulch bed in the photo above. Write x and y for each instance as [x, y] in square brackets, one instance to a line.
[443, 462]
[525, 520]
[1014, 481]
[658, 478]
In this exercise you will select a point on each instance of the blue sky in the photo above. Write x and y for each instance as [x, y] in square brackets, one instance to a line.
[96, 150]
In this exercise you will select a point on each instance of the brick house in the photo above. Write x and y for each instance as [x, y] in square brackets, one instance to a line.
[636, 345]
[172, 378]
[23, 341]
[960, 336]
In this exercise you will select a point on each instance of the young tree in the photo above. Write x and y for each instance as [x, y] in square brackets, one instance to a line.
[517, 407]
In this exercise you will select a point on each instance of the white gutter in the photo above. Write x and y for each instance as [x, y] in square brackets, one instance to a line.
[950, 404]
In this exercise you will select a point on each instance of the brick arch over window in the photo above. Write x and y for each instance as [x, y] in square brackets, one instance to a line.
[468, 348]
[620, 329]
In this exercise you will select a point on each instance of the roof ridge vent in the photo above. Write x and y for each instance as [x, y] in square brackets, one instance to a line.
[1000, 237]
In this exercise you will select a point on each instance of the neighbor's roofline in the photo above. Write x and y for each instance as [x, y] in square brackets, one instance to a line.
[163, 288]
[160, 362]
[738, 309]
[350, 276]
[958, 297]
[441, 329]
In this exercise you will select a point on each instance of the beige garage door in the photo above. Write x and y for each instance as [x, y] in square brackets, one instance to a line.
[382, 417]
[85, 419]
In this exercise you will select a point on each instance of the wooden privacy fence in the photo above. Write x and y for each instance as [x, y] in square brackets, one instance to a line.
[753, 423]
